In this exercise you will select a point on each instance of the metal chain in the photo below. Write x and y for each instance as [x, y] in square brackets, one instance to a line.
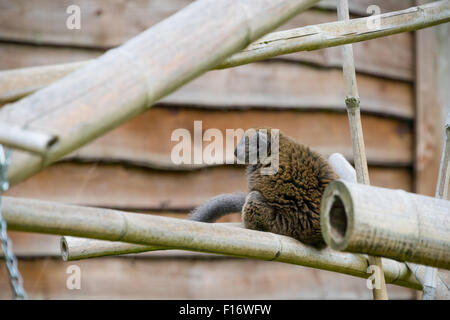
[11, 261]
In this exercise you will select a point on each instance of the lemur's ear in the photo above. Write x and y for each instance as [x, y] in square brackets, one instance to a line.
[239, 152]
[263, 143]
[253, 147]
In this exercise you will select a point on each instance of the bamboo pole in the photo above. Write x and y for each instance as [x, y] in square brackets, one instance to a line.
[17, 137]
[18, 83]
[429, 286]
[15, 84]
[346, 172]
[390, 223]
[359, 154]
[171, 233]
[127, 80]
[76, 248]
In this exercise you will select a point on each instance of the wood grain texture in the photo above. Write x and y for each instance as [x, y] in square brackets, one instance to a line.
[15, 55]
[21, 20]
[432, 103]
[284, 85]
[127, 80]
[143, 189]
[274, 85]
[360, 6]
[146, 140]
[126, 278]
[389, 56]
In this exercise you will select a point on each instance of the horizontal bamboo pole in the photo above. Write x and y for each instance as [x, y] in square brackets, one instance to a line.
[430, 284]
[17, 137]
[150, 230]
[127, 80]
[389, 223]
[15, 84]
[75, 248]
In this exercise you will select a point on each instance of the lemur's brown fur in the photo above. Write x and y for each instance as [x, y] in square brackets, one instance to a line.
[288, 202]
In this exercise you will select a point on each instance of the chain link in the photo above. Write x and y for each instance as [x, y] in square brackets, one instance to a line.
[11, 261]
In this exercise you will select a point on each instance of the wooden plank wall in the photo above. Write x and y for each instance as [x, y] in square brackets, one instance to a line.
[130, 168]
[433, 102]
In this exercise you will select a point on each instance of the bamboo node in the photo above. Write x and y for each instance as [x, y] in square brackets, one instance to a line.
[352, 102]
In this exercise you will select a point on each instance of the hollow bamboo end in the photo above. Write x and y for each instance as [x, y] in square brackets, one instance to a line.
[335, 215]
[64, 249]
[25, 139]
[447, 125]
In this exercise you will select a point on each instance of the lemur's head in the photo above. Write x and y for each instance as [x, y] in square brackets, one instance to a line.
[256, 146]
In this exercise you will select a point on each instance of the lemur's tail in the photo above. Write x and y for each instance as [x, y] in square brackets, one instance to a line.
[218, 206]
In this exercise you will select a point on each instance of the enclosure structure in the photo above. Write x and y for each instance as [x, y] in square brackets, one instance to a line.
[393, 157]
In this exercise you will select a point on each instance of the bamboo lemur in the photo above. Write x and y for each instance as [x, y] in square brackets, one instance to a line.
[286, 202]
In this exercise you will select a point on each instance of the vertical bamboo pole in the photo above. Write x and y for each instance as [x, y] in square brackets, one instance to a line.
[359, 154]
[430, 281]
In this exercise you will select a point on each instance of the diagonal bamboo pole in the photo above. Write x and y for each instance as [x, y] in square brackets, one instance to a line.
[127, 80]
[170, 233]
[15, 84]
[352, 102]
[430, 283]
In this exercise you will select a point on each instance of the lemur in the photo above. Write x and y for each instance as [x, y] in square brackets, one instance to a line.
[286, 202]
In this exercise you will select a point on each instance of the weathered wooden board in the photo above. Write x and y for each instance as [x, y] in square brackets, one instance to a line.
[360, 6]
[146, 140]
[432, 99]
[132, 188]
[163, 56]
[15, 56]
[287, 85]
[110, 23]
[103, 23]
[128, 278]
[274, 85]
[389, 56]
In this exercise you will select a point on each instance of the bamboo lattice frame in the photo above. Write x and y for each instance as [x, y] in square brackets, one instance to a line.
[56, 137]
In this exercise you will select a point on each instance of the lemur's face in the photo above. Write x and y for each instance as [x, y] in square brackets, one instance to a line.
[254, 147]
